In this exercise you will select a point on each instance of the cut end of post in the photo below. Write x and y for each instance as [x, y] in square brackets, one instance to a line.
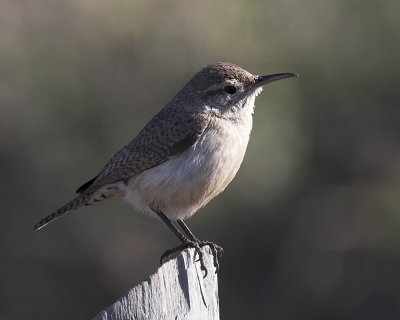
[177, 290]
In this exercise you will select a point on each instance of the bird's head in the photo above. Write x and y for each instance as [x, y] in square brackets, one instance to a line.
[224, 86]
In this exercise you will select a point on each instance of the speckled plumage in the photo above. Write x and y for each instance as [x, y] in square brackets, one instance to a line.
[180, 122]
[186, 154]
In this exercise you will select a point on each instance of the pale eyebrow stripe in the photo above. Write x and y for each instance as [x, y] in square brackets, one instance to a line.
[217, 86]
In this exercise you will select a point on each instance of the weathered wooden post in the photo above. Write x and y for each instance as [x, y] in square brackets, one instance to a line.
[176, 291]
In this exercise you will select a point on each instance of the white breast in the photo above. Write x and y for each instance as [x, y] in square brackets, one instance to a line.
[182, 185]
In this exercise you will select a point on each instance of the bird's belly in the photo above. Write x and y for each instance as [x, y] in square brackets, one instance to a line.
[182, 185]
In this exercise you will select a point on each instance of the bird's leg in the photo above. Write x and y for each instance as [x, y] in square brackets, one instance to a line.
[186, 243]
[186, 230]
[215, 249]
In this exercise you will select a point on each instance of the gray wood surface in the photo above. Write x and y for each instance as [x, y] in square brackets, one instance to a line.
[176, 291]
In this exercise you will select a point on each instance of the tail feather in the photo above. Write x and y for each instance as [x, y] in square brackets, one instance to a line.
[72, 205]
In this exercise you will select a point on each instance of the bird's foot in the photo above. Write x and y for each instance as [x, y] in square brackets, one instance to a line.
[187, 244]
[215, 250]
[197, 245]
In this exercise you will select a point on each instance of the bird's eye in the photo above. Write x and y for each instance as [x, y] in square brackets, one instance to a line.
[230, 89]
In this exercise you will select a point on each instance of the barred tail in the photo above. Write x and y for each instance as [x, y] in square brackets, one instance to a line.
[72, 205]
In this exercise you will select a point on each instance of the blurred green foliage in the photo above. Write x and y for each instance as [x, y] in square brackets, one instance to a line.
[311, 223]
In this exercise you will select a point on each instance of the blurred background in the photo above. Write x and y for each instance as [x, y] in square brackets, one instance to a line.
[311, 223]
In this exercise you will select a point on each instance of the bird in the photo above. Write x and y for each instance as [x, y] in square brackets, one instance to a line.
[185, 155]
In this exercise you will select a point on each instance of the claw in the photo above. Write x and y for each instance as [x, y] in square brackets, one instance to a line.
[197, 245]
[215, 250]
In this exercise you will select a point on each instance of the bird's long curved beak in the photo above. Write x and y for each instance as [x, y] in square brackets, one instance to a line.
[263, 80]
